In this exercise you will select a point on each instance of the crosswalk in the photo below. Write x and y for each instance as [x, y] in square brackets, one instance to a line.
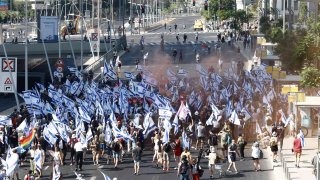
[175, 43]
[174, 32]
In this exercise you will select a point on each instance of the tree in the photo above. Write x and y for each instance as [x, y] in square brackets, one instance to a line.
[310, 77]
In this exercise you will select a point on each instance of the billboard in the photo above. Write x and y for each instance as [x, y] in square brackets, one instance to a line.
[49, 28]
[6, 82]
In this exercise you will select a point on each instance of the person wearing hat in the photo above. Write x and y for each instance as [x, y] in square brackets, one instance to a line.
[212, 160]
[200, 135]
[274, 146]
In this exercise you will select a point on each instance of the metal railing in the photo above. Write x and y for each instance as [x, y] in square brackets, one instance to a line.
[119, 44]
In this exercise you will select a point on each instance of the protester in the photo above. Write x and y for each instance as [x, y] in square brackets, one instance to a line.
[212, 160]
[177, 151]
[241, 143]
[297, 149]
[274, 146]
[166, 156]
[195, 170]
[186, 153]
[136, 155]
[200, 135]
[116, 151]
[184, 169]
[232, 151]
[256, 156]
[78, 147]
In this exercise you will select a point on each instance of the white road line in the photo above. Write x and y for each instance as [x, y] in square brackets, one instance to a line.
[46, 167]
[93, 178]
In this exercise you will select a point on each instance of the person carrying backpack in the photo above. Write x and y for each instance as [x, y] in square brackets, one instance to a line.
[165, 159]
[116, 151]
[184, 169]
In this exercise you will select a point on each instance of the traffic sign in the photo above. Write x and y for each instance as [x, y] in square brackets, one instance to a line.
[94, 37]
[8, 64]
[8, 80]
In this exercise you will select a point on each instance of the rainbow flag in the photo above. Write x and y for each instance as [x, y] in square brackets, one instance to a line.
[25, 143]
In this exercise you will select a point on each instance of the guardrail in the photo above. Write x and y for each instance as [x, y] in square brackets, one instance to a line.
[120, 43]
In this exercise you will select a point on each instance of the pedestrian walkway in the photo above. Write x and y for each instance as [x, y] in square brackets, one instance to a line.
[305, 170]
[248, 53]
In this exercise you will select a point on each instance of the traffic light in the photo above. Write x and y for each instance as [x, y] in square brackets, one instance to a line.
[205, 5]
[194, 3]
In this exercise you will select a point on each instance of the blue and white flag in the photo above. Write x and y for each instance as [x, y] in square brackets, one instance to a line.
[234, 119]
[108, 71]
[12, 164]
[129, 75]
[5, 120]
[49, 136]
[120, 134]
[148, 125]
[166, 138]
[89, 136]
[185, 141]
[112, 119]
[108, 134]
[105, 177]
[246, 113]
[215, 111]
[175, 123]
[38, 160]
[83, 115]
[302, 138]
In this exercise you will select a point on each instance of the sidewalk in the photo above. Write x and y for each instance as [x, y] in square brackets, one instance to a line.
[305, 170]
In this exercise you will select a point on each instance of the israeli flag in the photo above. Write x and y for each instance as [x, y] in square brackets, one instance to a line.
[165, 138]
[175, 123]
[210, 120]
[234, 119]
[129, 75]
[49, 136]
[5, 120]
[302, 138]
[148, 125]
[108, 71]
[202, 71]
[83, 115]
[120, 134]
[215, 111]
[12, 164]
[89, 136]
[185, 141]
[108, 134]
[38, 158]
[41, 86]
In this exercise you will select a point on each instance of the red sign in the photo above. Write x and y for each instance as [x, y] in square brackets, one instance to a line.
[8, 64]
[8, 81]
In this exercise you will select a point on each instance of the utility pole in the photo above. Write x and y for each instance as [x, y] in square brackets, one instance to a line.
[26, 47]
[59, 25]
[284, 16]
[98, 9]
[81, 32]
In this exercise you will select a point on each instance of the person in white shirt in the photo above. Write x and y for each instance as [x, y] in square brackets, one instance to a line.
[255, 156]
[78, 147]
[212, 158]
[32, 161]
[42, 156]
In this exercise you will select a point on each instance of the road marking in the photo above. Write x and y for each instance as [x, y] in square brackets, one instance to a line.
[93, 178]
[100, 167]
[46, 167]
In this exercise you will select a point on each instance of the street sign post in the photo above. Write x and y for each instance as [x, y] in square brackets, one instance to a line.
[6, 81]
[95, 43]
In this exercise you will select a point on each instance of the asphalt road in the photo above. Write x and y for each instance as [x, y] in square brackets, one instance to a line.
[149, 171]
